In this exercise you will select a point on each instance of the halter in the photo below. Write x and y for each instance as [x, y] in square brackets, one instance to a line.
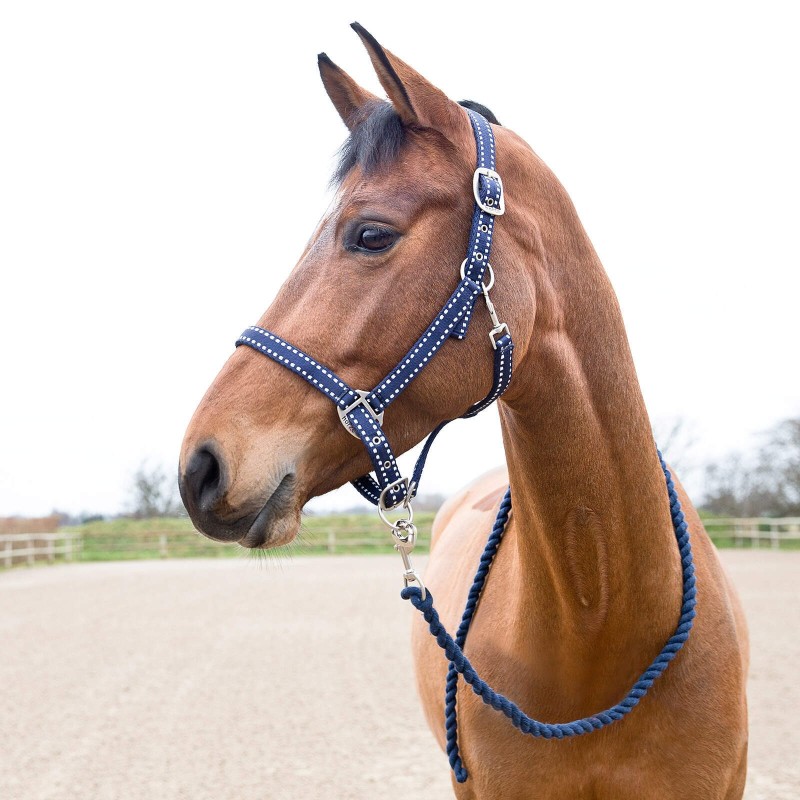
[361, 412]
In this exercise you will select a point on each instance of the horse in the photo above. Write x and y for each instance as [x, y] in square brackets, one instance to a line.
[587, 585]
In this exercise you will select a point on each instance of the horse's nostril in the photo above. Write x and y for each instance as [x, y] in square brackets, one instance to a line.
[204, 479]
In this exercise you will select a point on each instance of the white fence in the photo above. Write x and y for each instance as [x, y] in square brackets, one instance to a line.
[755, 530]
[17, 548]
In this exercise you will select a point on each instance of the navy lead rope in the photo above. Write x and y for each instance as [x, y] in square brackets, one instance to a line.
[460, 665]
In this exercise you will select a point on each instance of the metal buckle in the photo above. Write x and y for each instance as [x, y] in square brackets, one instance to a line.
[496, 332]
[362, 401]
[489, 205]
[406, 501]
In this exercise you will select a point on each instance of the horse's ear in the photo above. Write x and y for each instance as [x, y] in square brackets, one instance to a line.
[416, 100]
[346, 95]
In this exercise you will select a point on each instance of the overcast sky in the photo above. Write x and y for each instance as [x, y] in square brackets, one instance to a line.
[163, 163]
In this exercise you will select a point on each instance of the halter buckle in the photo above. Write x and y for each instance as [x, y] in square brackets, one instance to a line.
[490, 205]
[495, 332]
[383, 506]
[362, 401]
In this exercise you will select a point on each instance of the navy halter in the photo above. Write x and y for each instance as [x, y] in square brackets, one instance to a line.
[361, 412]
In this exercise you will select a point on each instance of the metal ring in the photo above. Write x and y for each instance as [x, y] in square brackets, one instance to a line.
[483, 285]
[405, 532]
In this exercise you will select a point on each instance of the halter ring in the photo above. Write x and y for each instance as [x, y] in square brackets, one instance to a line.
[483, 285]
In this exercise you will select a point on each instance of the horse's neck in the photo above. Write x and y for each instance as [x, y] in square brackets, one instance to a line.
[595, 550]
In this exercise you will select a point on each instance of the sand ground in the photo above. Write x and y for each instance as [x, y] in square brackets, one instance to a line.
[244, 680]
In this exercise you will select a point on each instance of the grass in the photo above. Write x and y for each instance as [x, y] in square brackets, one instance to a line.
[122, 539]
[126, 539]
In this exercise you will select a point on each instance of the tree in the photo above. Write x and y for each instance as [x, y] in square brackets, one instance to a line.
[155, 493]
[676, 439]
[768, 486]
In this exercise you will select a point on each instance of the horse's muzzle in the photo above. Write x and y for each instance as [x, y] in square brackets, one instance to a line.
[205, 483]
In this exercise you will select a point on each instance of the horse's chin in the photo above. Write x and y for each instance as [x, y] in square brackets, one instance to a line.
[276, 524]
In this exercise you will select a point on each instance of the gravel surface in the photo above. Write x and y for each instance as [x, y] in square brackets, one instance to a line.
[258, 680]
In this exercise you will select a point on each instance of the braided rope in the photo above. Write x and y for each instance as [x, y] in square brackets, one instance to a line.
[459, 663]
[489, 552]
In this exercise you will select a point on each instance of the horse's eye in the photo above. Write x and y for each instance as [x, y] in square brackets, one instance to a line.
[375, 239]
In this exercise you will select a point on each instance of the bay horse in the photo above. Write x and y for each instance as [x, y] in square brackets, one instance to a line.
[586, 587]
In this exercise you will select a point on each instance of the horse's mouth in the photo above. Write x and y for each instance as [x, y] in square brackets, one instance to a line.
[278, 520]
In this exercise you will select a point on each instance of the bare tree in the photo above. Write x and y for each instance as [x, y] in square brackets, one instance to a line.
[768, 486]
[154, 493]
[676, 438]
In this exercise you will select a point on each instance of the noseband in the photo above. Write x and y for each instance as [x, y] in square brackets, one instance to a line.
[361, 412]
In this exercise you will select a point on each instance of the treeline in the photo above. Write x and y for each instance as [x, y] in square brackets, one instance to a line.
[766, 484]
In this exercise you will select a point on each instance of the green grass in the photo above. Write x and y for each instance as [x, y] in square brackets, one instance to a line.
[123, 539]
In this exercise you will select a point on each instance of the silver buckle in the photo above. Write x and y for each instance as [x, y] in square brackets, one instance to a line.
[405, 502]
[496, 332]
[343, 412]
[489, 207]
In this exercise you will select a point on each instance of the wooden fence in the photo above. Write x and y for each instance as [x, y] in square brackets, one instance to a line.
[754, 531]
[331, 535]
[28, 548]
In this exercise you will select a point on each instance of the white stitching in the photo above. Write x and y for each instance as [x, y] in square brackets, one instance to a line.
[379, 459]
[499, 388]
[366, 488]
[398, 370]
[277, 356]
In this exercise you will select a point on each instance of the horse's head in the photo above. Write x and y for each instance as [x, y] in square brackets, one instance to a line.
[379, 267]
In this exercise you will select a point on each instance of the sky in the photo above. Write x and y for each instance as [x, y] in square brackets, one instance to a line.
[162, 165]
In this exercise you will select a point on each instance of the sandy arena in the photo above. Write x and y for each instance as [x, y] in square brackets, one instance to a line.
[244, 680]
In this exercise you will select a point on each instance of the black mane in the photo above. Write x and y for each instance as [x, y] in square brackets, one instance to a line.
[375, 142]
[481, 109]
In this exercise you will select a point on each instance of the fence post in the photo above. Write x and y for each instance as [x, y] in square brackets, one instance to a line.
[773, 535]
[162, 545]
[331, 540]
[51, 550]
[67, 547]
[30, 547]
[7, 545]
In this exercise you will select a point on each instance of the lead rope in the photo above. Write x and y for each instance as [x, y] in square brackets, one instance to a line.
[460, 665]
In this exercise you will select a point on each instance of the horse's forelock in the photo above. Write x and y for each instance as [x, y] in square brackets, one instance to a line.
[375, 141]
